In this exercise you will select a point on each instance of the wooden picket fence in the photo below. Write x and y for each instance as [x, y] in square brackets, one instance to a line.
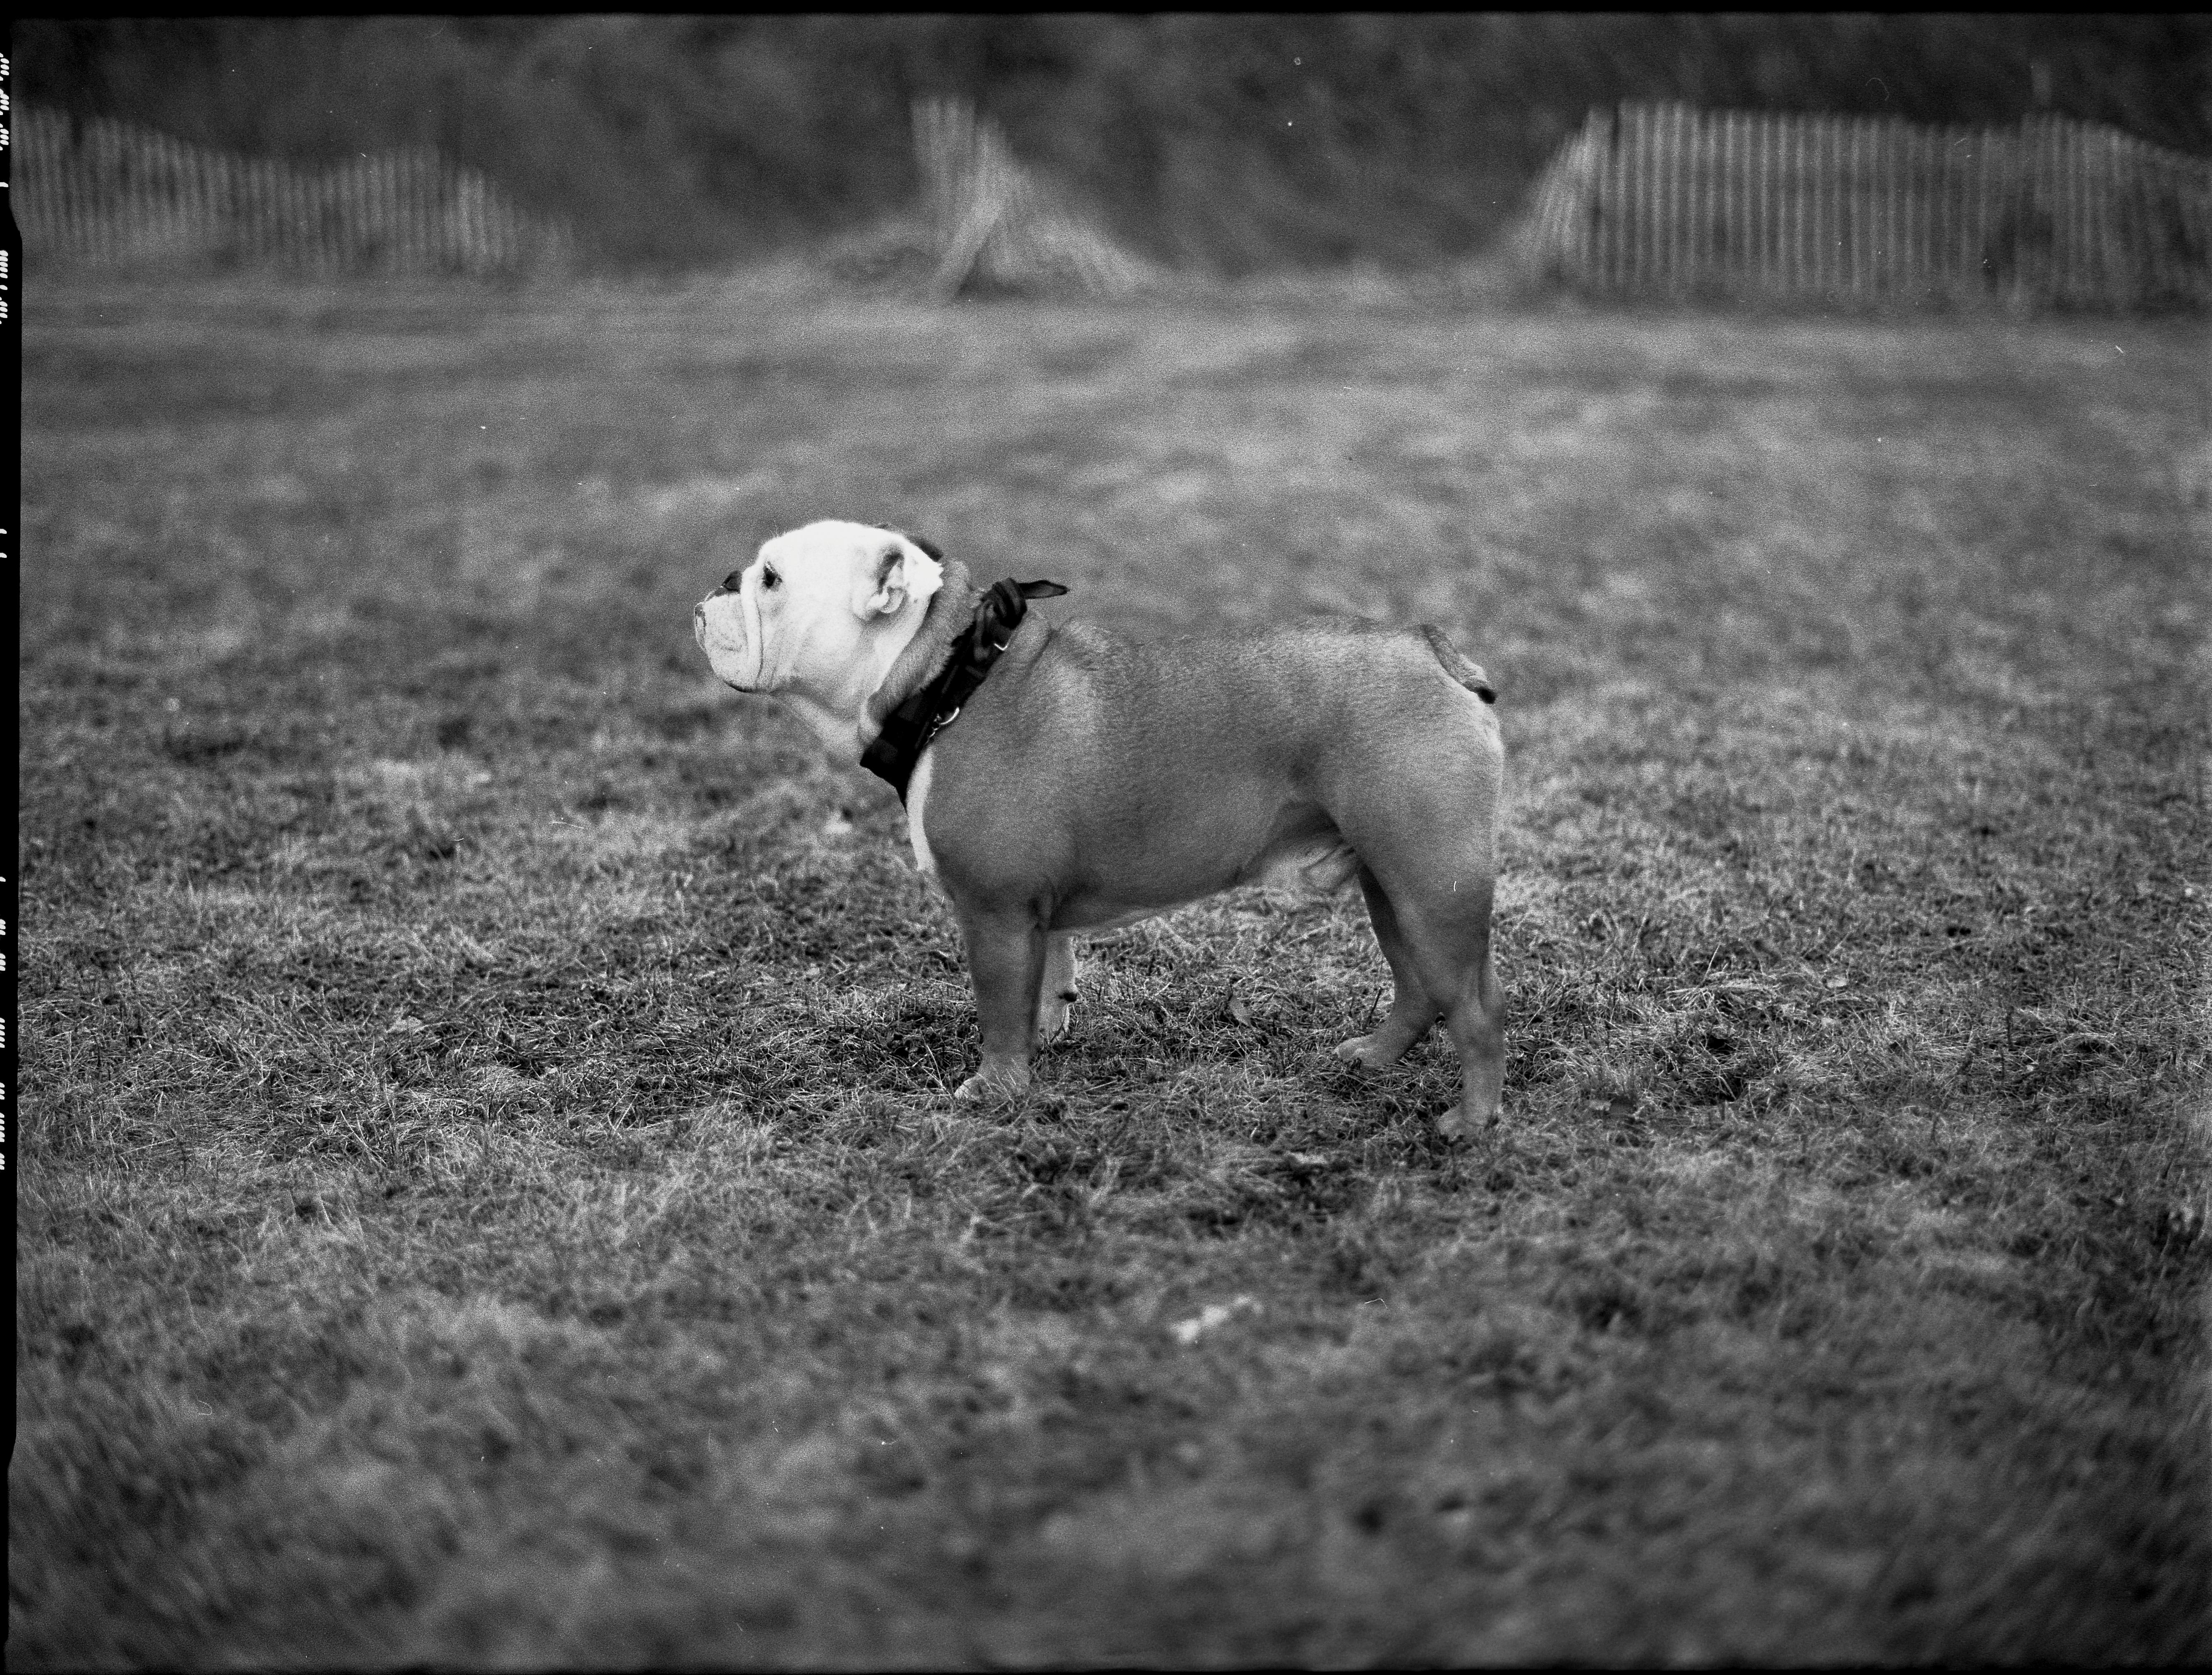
[993, 220]
[100, 191]
[1666, 199]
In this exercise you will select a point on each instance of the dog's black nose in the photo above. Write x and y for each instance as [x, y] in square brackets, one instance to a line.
[732, 582]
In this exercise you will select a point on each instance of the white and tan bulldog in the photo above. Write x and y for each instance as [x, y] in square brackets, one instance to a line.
[1092, 781]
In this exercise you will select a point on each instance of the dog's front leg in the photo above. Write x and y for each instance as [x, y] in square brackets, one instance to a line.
[1057, 993]
[1006, 959]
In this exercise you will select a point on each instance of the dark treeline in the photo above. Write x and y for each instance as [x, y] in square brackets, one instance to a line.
[1227, 142]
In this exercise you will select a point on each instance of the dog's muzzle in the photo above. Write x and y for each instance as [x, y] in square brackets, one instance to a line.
[699, 635]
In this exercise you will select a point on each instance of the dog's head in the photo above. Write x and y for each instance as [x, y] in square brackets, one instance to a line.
[820, 614]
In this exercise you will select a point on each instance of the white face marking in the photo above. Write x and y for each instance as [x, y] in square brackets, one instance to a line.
[917, 795]
[817, 621]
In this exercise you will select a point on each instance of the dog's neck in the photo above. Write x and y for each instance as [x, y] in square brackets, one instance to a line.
[845, 726]
[951, 608]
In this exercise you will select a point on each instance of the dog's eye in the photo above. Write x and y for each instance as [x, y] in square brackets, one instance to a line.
[768, 577]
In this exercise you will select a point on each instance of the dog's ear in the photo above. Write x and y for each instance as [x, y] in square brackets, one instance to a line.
[921, 541]
[906, 569]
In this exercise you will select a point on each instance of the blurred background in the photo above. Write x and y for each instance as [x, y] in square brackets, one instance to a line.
[1215, 145]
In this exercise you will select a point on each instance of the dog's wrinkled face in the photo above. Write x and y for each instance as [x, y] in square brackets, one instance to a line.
[818, 619]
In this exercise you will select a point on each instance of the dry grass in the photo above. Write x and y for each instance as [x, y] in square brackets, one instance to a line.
[489, 1190]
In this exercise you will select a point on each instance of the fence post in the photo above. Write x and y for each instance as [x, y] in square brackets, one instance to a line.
[1866, 158]
[248, 182]
[1749, 200]
[2113, 235]
[1942, 207]
[1706, 174]
[1620, 206]
[1897, 201]
[1923, 205]
[438, 237]
[1712, 170]
[1681, 207]
[1897, 142]
[2120, 256]
[415, 187]
[2051, 182]
[398, 212]
[1628, 216]
[2062, 205]
[1774, 146]
[1628, 207]
[95, 170]
[2151, 192]
[1750, 160]
[1575, 228]
[1850, 132]
[1685, 204]
[96, 157]
[191, 208]
[385, 227]
[1881, 246]
[1613, 200]
[1678, 227]
[1847, 241]
[1680, 231]
[1728, 196]
[1888, 144]
[1818, 173]
[2111, 277]
[2083, 143]
[1817, 169]
[1791, 224]
[272, 209]
[371, 233]
[287, 214]
[397, 225]
[1819, 245]
[1650, 156]
[1699, 180]
[1922, 167]
[1752, 203]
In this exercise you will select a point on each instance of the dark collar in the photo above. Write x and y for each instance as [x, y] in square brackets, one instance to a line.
[908, 729]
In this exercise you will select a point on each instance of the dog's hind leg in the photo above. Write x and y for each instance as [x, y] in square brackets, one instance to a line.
[1443, 935]
[1412, 1008]
[1476, 1021]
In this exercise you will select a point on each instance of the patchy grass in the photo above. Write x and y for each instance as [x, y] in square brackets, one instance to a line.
[489, 1192]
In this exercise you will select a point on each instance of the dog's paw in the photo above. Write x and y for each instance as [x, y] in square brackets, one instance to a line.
[1368, 1052]
[1456, 1125]
[1052, 1021]
[994, 1085]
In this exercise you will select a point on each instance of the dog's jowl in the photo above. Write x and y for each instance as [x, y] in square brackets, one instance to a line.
[1061, 779]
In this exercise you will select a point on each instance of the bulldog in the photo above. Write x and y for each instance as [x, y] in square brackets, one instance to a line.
[1060, 779]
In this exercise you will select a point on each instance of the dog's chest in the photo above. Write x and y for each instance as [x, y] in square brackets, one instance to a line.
[917, 798]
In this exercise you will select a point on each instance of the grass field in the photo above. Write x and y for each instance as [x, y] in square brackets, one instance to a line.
[489, 1188]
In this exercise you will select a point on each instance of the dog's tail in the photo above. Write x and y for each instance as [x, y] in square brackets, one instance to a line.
[1469, 675]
